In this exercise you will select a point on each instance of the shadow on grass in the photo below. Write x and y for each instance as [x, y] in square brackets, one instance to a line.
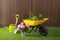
[53, 36]
[34, 35]
[54, 33]
[49, 35]
[43, 36]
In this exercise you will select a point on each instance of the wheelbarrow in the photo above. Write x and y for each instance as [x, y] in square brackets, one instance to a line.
[38, 25]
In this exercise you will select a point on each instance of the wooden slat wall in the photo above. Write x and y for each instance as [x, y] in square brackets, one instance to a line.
[58, 13]
[48, 8]
[7, 11]
[23, 7]
[0, 13]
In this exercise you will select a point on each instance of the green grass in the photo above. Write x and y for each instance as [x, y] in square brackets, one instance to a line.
[53, 34]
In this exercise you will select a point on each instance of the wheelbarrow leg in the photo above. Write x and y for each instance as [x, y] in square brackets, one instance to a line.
[33, 28]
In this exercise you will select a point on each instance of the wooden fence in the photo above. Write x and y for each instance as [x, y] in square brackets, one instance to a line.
[48, 8]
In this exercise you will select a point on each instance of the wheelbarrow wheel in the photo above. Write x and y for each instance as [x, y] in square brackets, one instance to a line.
[43, 31]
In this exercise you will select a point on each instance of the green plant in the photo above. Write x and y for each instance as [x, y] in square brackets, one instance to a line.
[35, 16]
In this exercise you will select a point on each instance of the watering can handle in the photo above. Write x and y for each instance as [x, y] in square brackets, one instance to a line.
[17, 17]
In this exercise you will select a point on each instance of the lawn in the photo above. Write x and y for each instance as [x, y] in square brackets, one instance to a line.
[53, 34]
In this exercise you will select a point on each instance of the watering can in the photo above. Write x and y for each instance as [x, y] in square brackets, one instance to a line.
[13, 26]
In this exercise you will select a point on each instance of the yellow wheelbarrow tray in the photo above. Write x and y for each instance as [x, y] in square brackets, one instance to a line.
[35, 22]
